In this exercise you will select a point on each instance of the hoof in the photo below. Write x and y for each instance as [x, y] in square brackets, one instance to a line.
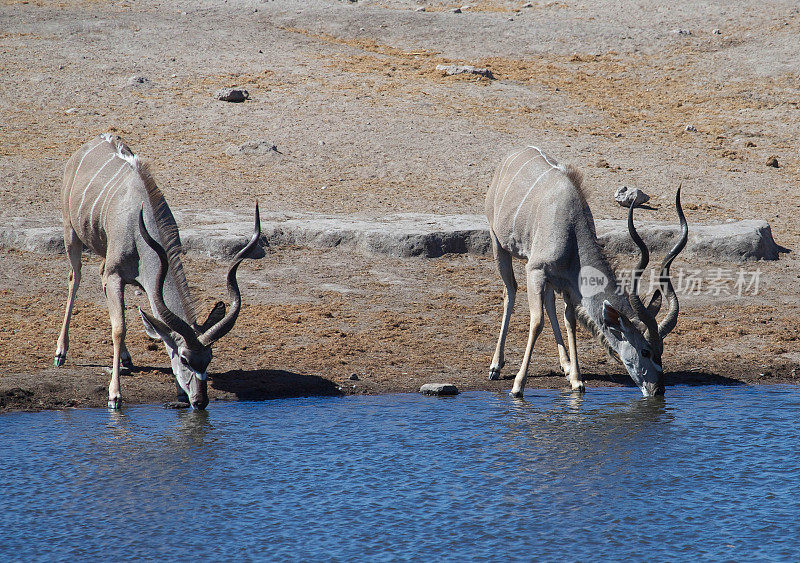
[494, 374]
[581, 388]
[60, 359]
[515, 394]
[115, 403]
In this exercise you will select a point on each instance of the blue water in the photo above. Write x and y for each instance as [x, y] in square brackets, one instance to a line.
[708, 473]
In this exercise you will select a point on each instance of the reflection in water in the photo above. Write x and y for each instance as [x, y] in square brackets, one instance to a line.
[703, 473]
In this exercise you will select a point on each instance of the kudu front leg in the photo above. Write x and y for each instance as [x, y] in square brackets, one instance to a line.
[574, 374]
[506, 270]
[115, 297]
[536, 304]
[550, 307]
[74, 249]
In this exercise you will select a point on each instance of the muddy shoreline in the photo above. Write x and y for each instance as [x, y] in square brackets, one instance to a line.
[348, 116]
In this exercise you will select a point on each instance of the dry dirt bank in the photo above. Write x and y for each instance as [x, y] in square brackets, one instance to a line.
[364, 124]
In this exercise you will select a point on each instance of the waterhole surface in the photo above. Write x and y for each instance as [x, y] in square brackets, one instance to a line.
[708, 472]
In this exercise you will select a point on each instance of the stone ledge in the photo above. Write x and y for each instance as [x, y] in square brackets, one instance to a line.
[220, 234]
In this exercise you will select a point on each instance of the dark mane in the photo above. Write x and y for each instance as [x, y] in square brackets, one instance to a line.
[170, 239]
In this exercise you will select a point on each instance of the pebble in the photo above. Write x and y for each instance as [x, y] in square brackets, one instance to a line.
[177, 405]
[354, 377]
[253, 147]
[691, 128]
[235, 95]
[137, 80]
[773, 162]
[681, 32]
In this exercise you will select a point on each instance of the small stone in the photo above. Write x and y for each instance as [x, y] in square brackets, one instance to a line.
[717, 32]
[354, 377]
[451, 70]
[681, 32]
[420, 9]
[528, 5]
[70, 111]
[177, 405]
[773, 162]
[626, 196]
[252, 147]
[235, 95]
[602, 163]
[439, 389]
[691, 129]
[456, 10]
[137, 80]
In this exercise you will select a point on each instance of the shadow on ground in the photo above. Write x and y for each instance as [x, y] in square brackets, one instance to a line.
[259, 385]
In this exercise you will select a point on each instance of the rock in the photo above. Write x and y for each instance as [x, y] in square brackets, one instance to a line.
[136, 80]
[354, 377]
[456, 10]
[602, 163]
[220, 234]
[177, 405]
[439, 389]
[528, 5]
[419, 9]
[735, 242]
[235, 95]
[626, 196]
[450, 70]
[681, 32]
[773, 162]
[717, 32]
[691, 129]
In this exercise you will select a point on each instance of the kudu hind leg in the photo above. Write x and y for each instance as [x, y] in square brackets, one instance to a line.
[550, 307]
[506, 269]
[574, 374]
[74, 249]
[115, 297]
[536, 304]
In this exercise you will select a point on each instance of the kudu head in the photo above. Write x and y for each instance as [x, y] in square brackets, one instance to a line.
[190, 345]
[640, 351]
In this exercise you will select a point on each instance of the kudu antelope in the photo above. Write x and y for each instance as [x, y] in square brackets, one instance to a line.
[537, 212]
[111, 204]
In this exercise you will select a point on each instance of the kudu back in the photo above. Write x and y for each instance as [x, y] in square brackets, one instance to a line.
[111, 205]
[538, 212]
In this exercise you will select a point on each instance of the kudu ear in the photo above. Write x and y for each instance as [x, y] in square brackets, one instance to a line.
[615, 321]
[655, 303]
[155, 328]
[217, 314]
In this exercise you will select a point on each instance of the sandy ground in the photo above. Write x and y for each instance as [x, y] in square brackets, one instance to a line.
[365, 125]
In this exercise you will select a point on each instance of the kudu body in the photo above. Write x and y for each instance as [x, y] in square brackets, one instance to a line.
[537, 212]
[111, 204]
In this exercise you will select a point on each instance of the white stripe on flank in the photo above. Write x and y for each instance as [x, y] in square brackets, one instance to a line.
[91, 213]
[503, 169]
[514, 222]
[75, 173]
[511, 181]
[111, 193]
[544, 156]
[89, 183]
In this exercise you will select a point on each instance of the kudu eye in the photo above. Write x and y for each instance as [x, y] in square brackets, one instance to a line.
[645, 353]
